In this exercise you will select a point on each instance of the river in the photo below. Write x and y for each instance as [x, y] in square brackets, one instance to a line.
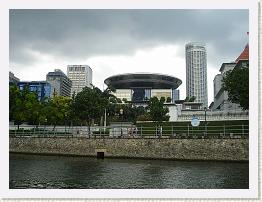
[54, 172]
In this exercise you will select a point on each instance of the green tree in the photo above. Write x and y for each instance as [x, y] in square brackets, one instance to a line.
[124, 100]
[34, 108]
[110, 100]
[190, 99]
[89, 104]
[157, 110]
[57, 110]
[168, 99]
[236, 82]
[14, 94]
[23, 105]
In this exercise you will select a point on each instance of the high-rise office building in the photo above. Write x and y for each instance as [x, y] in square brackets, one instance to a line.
[60, 83]
[81, 76]
[13, 79]
[196, 72]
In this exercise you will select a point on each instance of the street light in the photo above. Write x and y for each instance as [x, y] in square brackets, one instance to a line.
[45, 125]
[205, 115]
[65, 121]
[105, 122]
[205, 120]
[121, 113]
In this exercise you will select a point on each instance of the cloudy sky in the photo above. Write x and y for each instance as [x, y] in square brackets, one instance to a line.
[122, 41]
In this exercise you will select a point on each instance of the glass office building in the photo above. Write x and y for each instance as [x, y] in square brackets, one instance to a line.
[41, 88]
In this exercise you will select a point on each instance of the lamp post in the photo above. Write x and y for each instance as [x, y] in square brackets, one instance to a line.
[121, 113]
[65, 121]
[205, 120]
[105, 122]
[45, 125]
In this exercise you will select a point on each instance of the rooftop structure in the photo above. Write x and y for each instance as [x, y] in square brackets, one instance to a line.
[140, 87]
[147, 80]
[244, 55]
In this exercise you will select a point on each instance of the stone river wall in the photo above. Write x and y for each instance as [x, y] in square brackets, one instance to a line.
[177, 149]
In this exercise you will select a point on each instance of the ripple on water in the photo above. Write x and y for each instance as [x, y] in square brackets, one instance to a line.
[56, 172]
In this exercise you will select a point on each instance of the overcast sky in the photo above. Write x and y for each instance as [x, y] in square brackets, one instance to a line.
[123, 41]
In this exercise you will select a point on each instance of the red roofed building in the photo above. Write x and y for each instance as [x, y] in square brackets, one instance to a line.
[221, 101]
[244, 55]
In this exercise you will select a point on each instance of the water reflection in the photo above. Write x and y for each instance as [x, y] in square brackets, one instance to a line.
[32, 171]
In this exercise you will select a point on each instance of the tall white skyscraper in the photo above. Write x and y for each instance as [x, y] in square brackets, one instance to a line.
[196, 72]
[80, 75]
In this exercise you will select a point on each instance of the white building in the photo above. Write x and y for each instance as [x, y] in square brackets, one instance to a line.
[81, 76]
[196, 72]
[221, 101]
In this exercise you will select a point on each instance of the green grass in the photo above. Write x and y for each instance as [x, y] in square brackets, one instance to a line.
[215, 128]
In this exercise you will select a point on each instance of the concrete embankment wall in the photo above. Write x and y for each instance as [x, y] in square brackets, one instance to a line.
[182, 149]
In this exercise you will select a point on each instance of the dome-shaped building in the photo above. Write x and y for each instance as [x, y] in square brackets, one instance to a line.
[140, 87]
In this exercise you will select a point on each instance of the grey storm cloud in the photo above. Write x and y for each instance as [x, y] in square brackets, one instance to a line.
[82, 34]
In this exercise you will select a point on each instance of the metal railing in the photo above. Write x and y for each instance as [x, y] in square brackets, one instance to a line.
[179, 132]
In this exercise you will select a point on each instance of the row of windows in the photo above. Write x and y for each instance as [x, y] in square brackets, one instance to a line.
[78, 77]
[76, 68]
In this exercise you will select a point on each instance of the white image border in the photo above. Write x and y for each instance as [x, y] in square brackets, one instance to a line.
[252, 192]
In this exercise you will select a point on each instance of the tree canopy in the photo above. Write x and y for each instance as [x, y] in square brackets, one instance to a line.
[190, 99]
[86, 107]
[23, 105]
[89, 104]
[157, 110]
[236, 82]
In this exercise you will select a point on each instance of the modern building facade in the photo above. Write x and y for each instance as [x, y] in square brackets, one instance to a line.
[175, 95]
[196, 72]
[13, 79]
[81, 76]
[41, 88]
[138, 88]
[60, 83]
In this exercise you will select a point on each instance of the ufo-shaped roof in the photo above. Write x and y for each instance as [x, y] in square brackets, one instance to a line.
[143, 80]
